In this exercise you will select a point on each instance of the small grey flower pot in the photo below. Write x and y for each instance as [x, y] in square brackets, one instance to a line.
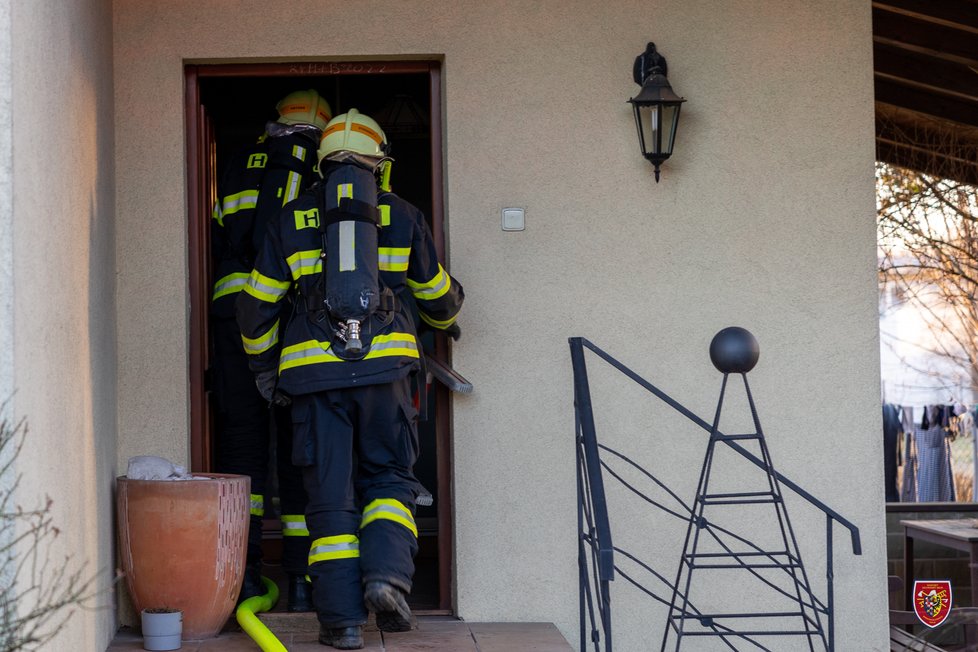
[162, 629]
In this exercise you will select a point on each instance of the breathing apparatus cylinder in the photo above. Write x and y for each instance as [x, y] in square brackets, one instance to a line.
[351, 287]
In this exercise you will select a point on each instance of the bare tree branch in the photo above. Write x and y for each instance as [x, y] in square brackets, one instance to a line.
[39, 592]
[928, 254]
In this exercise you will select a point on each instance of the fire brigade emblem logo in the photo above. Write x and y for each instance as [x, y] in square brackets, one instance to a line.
[932, 601]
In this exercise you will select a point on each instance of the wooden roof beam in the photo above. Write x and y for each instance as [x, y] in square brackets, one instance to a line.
[939, 41]
[922, 143]
[925, 161]
[959, 14]
[945, 107]
[919, 70]
[927, 134]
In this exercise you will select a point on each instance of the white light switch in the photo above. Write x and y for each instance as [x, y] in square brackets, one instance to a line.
[513, 219]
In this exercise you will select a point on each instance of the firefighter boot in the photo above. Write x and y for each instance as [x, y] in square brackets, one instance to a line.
[342, 638]
[388, 603]
[300, 595]
[251, 585]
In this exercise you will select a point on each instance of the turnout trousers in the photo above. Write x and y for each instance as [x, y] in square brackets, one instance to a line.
[244, 430]
[357, 447]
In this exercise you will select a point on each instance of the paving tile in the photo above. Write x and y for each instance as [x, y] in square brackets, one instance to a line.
[281, 623]
[431, 635]
[125, 646]
[443, 626]
[231, 642]
[127, 640]
[525, 637]
[372, 642]
[436, 638]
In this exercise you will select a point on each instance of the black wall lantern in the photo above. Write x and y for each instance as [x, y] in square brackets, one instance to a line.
[656, 107]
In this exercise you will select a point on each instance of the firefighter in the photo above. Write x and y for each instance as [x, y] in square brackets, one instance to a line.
[355, 424]
[258, 181]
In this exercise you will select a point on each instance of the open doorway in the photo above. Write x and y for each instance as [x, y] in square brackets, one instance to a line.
[227, 107]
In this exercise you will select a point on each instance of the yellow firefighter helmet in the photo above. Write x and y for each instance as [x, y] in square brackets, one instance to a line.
[354, 133]
[304, 107]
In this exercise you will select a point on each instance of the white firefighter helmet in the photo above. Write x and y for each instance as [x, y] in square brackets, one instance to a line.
[304, 107]
[353, 133]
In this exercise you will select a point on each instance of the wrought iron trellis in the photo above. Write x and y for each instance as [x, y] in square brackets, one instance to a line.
[597, 555]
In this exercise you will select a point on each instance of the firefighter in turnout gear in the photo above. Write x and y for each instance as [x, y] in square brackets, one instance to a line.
[354, 420]
[258, 181]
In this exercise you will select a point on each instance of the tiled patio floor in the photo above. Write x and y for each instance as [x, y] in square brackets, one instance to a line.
[298, 633]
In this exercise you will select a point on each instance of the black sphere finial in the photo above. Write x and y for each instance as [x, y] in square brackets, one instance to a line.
[734, 350]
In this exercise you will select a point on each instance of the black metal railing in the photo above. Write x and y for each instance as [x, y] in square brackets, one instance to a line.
[597, 563]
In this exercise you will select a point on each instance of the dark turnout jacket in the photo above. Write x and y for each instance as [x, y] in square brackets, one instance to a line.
[299, 344]
[258, 182]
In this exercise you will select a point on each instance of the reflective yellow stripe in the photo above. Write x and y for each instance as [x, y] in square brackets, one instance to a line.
[436, 323]
[344, 190]
[230, 284]
[385, 214]
[390, 510]
[383, 346]
[265, 288]
[238, 202]
[305, 353]
[305, 263]
[316, 352]
[434, 288]
[291, 187]
[261, 343]
[294, 525]
[299, 152]
[343, 546]
[347, 241]
[257, 505]
[217, 214]
[393, 259]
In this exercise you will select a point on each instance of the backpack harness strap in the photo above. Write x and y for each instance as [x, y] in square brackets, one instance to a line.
[350, 210]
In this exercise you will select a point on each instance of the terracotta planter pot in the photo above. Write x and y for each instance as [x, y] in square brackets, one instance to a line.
[183, 546]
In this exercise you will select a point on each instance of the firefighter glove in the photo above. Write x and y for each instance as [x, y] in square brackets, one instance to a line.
[267, 382]
[454, 332]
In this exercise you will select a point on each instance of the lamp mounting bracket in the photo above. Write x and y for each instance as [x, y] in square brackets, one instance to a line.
[649, 63]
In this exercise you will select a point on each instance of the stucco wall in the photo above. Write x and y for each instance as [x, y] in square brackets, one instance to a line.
[64, 347]
[763, 218]
[6, 210]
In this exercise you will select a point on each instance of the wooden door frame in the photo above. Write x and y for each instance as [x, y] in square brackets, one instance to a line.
[200, 200]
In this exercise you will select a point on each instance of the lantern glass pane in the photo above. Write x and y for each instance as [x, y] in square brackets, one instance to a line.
[650, 122]
[638, 124]
[670, 120]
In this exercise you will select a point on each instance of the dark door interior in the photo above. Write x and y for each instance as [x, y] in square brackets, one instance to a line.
[228, 107]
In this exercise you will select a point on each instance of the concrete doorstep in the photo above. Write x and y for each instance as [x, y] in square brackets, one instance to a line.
[299, 633]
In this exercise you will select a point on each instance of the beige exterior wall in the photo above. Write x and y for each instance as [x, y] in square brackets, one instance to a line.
[6, 207]
[763, 218]
[63, 302]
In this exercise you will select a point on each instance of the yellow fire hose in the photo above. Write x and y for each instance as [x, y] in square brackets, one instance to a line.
[245, 615]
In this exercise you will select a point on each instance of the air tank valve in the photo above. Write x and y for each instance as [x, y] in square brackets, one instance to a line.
[353, 344]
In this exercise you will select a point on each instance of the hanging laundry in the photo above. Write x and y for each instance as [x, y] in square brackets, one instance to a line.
[935, 482]
[908, 487]
[891, 435]
[965, 426]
